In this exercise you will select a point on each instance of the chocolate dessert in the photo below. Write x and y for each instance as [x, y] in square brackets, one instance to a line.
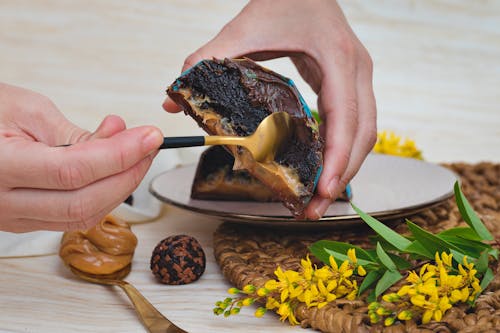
[232, 97]
[215, 179]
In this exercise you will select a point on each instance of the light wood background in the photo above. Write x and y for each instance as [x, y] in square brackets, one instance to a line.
[437, 80]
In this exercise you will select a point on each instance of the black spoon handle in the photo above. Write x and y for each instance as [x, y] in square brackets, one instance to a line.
[182, 141]
[175, 142]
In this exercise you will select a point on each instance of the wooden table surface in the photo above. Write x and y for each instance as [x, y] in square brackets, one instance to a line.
[437, 80]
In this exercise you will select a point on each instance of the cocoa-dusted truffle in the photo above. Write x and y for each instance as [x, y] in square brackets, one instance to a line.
[178, 260]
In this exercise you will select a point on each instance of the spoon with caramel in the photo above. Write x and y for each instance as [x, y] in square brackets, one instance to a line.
[103, 255]
[151, 318]
[272, 133]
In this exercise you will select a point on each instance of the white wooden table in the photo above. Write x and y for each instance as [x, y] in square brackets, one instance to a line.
[437, 80]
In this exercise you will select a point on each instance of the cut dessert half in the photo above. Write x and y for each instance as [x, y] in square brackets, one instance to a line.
[232, 97]
[215, 179]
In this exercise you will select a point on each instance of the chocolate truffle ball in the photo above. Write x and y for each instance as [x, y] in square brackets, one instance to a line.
[178, 260]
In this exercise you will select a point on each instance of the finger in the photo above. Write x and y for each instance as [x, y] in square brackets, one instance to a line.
[366, 135]
[110, 126]
[170, 106]
[28, 225]
[62, 210]
[34, 165]
[338, 103]
[317, 207]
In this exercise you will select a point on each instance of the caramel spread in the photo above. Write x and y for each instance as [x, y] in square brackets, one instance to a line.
[103, 249]
[218, 185]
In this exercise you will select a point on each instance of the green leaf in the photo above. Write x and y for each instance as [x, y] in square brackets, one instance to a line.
[487, 278]
[494, 253]
[371, 297]
[386, 245]
[386, 281]
[482, 262]
[469, 215]
[369, 280]
[471, 247]
[462, 232]
[401, 263]
[385, 259]
[417, 248]
[395, 239]
[458, 256]
[342, 247]
[431, 242]
[316, 116]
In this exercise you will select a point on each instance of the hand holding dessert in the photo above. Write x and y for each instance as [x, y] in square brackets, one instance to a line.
[330, 58]
[45, 187]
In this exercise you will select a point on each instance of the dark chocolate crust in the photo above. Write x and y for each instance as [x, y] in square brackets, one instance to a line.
[243, 93]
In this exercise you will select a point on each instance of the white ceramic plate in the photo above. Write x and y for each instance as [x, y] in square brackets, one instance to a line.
[385, 187]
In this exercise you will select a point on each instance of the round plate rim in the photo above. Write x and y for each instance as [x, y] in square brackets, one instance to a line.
[290, 220]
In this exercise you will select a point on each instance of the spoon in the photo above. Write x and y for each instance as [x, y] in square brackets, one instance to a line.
[151, 318]
[274, 131]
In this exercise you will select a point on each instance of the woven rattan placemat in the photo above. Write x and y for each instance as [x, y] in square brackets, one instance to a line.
[250, 254]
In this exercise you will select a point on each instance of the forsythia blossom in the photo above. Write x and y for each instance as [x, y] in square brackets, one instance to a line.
[310, 285]
[390, 144]
[428, 294]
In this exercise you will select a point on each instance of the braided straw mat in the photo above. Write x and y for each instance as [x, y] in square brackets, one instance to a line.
[249, 255]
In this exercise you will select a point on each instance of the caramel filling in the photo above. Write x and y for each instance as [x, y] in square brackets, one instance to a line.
[219, 186]
[103, 249]
[280, 178]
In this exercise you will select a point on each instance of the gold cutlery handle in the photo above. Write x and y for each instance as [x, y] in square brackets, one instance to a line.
[152, 319]
[225, 140]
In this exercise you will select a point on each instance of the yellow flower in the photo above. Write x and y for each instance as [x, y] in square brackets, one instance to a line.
[434, 290]
[271, 303]
[390, 143]
[351, 253]
[374, 318]
[324, 273]
[286, 312]
[389, 321]
[345, 270]
[260, 312]
[307, 269]
[447, 259]
[262, 292]
[233, 291]
[333, 263]
[325, 291]
[248, 301]
[392, 297]
[249, 289]
[436, 310]
[405, 315]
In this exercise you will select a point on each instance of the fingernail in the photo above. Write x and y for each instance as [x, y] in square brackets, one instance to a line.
[322, 208]
[165, 104]
[151, 141]
[332, 187]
